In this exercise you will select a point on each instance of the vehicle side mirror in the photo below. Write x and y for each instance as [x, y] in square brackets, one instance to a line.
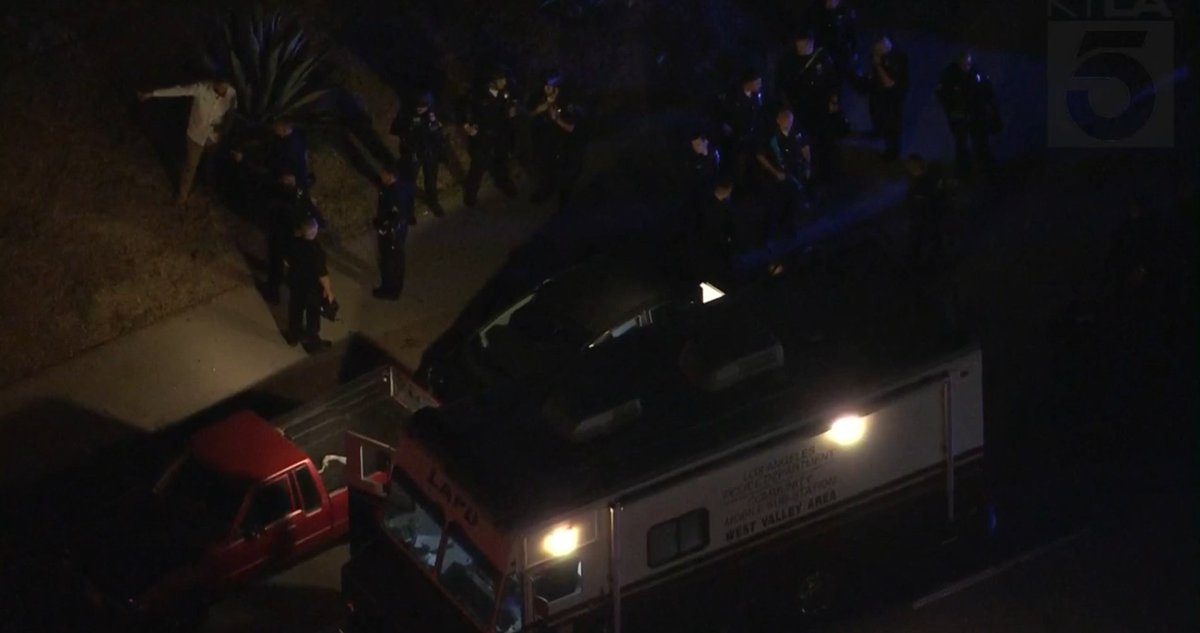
[541, 607]
[252, 532]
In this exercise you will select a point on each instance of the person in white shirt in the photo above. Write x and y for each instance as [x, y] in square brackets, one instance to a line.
[211, 102]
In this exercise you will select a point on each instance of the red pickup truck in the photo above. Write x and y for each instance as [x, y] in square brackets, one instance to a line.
[246, 497]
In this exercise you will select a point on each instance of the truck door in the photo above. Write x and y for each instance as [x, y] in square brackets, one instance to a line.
[311, 525]
[265, 533]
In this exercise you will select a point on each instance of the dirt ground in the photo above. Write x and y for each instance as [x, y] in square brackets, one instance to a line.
[89, 236]
[91, 243]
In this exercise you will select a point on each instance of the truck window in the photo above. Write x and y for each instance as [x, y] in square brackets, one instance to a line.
[411, 520]
[308, 489]
[509, 617]
[559, 580]
[467, 575]
[678, 537]
[271, 503]
[203, 495]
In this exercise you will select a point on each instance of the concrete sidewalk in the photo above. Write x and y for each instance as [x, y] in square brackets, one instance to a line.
[186, 363]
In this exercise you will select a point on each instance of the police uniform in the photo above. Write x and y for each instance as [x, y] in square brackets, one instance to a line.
[393, 215]
[827, 150]
[712, 234]
[836, 30]
[289, 155]
[422, 146]
[289, 207]
[970, 105]
[491, 145]
[742, 113]
[886, 103]
[558, 153]
[306, 267]
[806, 81]
[788, 197]
[700, 171]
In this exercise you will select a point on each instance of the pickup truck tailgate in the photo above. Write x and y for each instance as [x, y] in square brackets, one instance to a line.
[376, 405]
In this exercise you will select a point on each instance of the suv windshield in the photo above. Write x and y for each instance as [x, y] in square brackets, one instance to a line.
[202, 495]
[537, 322]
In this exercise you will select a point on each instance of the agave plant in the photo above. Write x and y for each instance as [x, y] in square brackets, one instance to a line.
[279, 71]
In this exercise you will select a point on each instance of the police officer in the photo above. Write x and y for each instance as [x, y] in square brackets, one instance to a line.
[805, 79]
[422, 145]
[740, 113]
[288, 206]
[887, 87]
[835, 25]
[287, 152]
[712, 230]
[310, 288]
[393, 215]
[555, 140]
[784, 159]
[283, 151]
[489, 129]
[967, 96]
[701, 163]
[826, 142]
[926, 206]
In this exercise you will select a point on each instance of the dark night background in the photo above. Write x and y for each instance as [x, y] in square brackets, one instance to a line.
[1089, 394]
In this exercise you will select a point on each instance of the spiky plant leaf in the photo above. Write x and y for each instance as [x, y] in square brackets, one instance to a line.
[304, 100]
[291, 50]
[240, 80]
[279, 71]
[299, 77]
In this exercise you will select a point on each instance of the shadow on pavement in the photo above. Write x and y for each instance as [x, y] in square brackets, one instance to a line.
[60, 461]
[63, 465]
[291, 609]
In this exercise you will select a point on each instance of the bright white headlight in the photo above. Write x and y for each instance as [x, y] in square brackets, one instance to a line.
[847, 430]
[561, 540]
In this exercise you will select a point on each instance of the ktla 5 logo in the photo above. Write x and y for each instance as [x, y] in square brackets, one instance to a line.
[1111, 83]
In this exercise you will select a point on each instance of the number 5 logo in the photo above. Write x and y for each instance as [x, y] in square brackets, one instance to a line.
[1103, 90]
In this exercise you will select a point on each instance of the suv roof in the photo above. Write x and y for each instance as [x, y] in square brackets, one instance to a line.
[856, 327]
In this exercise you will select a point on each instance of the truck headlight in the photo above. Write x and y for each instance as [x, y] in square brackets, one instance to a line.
[561, 540]
[847, 430]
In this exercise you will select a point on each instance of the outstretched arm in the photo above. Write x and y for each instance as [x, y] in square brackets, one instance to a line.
[188, 90]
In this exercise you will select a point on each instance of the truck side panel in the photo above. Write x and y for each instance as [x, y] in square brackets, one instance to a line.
[575, 581]
[967, 403]
[789, 481]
